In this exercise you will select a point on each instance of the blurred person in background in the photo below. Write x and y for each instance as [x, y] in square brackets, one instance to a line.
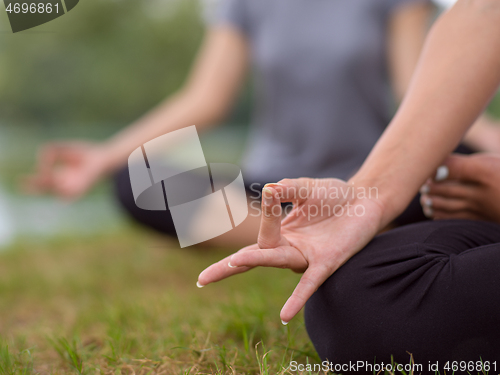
[424, 292]
[322, 75]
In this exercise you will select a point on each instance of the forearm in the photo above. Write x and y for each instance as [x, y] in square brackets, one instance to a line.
[455, 78]
[205, 98]
[175, 113]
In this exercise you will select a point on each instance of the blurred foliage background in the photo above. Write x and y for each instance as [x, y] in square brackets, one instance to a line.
[86, 75]
[105, 62]
[115, 292]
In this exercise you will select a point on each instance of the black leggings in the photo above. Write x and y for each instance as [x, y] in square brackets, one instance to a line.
[162, 221]
[431, 289]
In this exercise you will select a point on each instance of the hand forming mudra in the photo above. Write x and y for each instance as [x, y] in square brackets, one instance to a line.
[470, 189]
[331, 220]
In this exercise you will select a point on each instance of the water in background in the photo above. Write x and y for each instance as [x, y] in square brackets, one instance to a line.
[23, 216]
[6, 226]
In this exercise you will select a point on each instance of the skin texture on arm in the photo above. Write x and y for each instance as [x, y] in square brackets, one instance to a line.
[408, 28]
[205, 98]
[70, 169]
[455, 78]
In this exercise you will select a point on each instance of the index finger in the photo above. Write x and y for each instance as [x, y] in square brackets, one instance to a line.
[222, 269]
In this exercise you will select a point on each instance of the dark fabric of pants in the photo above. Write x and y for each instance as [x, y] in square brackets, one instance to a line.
[162, 222]
[431, 289]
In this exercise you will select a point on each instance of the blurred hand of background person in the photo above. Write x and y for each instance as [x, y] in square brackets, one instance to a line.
[208, 93]
[70, 169]
[470, 191]
[67, 169]
[73, 168]
[205, 98]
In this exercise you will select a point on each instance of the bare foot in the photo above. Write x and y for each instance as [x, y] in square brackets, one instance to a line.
[469, 190]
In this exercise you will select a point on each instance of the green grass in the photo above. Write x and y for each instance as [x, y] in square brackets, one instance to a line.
[127, 303]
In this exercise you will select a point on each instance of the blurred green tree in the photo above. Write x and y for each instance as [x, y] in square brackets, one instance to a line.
[106, 61]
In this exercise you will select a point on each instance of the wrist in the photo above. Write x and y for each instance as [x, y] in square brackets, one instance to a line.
[382, 198]
[107, 160]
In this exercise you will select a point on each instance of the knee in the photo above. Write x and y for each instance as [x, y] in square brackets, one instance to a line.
[328, 316]
[160, 221]
[123, 190]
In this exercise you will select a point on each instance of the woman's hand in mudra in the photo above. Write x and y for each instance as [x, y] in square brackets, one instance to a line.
[331, 220]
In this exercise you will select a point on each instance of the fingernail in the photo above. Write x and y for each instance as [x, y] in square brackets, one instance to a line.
[283, 322]
[272, 184]
[428, 212]
[425, 189]
[442, 173]
[199, 285]
[230, 265]
[267, 196]
[428, 202]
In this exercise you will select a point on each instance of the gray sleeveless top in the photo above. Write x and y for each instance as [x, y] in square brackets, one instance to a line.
[321, 83]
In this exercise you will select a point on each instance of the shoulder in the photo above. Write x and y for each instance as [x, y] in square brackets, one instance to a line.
[242, 14]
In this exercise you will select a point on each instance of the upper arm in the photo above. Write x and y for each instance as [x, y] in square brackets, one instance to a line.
[219, 69]
[408, 27]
